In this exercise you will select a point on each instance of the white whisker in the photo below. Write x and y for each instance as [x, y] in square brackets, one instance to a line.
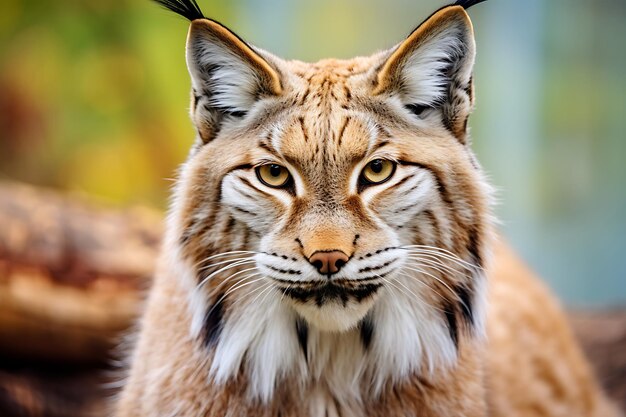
[432, 250]
[224, 262]
[242, 284]
[218, 302]
[425, 284]
[435, 263]
[236, 264]
[229, 278]
[269, 285]
[221, 254]
[452, 292]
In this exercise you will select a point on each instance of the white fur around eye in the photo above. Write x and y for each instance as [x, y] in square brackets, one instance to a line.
[371, 191]
[251, 207]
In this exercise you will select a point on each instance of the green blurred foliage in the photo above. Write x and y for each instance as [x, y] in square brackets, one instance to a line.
[94, 98]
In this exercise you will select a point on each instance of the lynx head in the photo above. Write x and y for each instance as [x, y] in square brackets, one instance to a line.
[334, 198]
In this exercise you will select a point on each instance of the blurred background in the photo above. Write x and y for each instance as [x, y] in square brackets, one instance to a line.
[94, 97]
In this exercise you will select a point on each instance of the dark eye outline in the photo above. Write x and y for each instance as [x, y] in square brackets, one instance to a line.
[364, 182]
[287, 184]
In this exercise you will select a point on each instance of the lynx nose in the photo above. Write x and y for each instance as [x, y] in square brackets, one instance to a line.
[328, 263]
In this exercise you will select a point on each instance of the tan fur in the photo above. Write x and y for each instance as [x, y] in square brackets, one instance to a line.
[535, 366]
[324, 122]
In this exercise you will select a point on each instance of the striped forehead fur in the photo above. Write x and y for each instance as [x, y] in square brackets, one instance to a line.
[421, 236]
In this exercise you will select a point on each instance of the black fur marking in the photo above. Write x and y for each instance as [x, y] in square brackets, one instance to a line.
[473, 248]
[302, 331]
[364, 291]
[438, 180]
[236, 113]
[402, 181]
[403, 209]
[319, 299]
[331, 292]
[465, 302]
[297, 294]
[231, 223]
[284, 271]
[463, 307]
[342, 130]
[268, 147]
[303, 128]
[417, 109]
[337, 407]
[378, 252]
[468, 87]
[366, 330]
[376, 267]
[188, 9]
[450, 313]
[285, 257]
[213, 321]
[466, 4]
[252, 187]
[188, 232]
[244, 211]
[344, 299]
[242, 166]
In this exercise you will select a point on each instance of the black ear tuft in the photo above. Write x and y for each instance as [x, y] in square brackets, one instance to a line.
[466, 4]
[186, 8]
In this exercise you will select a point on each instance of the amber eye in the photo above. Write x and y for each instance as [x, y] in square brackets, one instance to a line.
[273, 175]
[378, 171]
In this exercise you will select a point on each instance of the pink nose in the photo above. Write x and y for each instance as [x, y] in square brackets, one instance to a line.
[328, 262]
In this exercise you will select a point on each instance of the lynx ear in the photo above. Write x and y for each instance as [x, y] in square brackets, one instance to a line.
[228, 76]
[432, 69]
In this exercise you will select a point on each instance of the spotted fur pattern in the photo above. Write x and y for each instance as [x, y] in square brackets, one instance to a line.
[239, 321]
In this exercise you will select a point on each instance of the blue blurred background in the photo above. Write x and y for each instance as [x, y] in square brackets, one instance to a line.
[94, 97]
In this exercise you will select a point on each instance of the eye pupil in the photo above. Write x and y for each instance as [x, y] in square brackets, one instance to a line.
[376, 166]
[377, 171]
[273, 175]
[275, 170]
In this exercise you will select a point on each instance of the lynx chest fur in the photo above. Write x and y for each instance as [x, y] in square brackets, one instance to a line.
[328, 245]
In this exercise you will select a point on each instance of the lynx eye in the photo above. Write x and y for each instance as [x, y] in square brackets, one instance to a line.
[378, 171]
[273, 175]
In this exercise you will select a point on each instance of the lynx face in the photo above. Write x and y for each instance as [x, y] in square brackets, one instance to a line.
[319, 196]
[340, 196]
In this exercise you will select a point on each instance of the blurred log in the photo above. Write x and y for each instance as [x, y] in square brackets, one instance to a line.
[603, 338]
[70, 273]
[52, 393]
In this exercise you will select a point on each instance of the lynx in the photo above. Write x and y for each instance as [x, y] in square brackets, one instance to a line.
[330, 248]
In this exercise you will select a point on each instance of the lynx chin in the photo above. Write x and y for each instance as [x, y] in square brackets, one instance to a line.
[330, 249]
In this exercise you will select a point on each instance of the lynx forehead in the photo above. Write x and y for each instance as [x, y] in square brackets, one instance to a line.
[328, 237]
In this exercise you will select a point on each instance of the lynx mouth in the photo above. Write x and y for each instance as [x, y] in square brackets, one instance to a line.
[334, 306]
[324, 292]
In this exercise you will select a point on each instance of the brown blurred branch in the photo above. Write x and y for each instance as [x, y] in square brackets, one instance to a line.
[70, 272]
